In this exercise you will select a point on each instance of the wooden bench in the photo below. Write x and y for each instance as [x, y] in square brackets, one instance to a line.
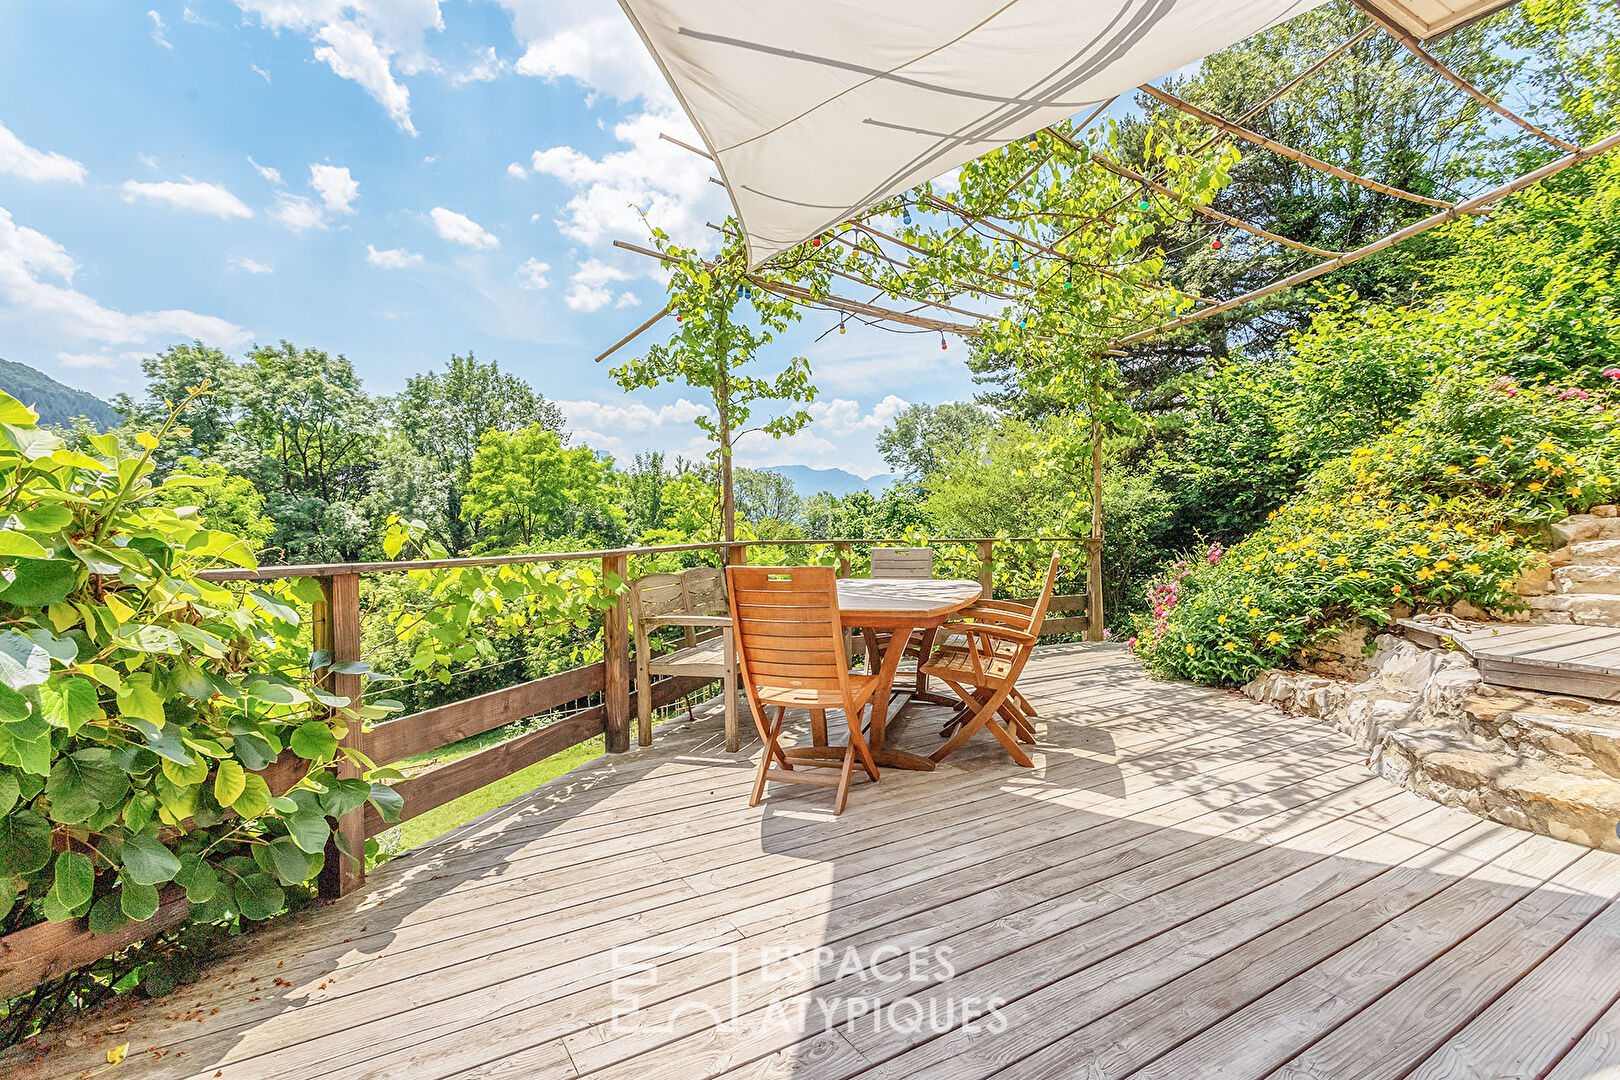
[695, 600]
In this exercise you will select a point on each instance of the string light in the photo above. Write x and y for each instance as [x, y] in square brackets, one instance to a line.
[942, 339]
[841, 329]
[1016, 263]
[905, 214]
[1144, 203]
[1215, 244]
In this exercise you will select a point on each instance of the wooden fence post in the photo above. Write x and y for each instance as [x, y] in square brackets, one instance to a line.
[844, 552]
[336, 630]
[616, 657]
[987, 568]
[1094, 599]
[737, 555]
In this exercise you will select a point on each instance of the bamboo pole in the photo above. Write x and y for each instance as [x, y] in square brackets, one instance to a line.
[632, 335]
[1552, 168]
[1413, 46]
[1286, 151]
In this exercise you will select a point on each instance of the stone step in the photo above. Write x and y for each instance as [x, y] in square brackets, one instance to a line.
[1589, 609]
[1555, 728]
[1580, 578]
[1561, 800]
[1595, 552]
[1579, 527]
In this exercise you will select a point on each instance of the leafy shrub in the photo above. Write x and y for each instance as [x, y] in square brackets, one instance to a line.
[1434, 512]
[138, 704]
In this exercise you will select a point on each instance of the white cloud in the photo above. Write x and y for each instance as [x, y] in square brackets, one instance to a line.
[841, 416]
[461, 229]
[157, 30]
[36, 290]
[272, 175]
[335, 186]
[516, 171]
[298, 212]
[364, 41]
[627, 299]
[392, 258]
[487, 68]
[149, 161]
[532, 274]
[20, 159]
[604, 424]
[590, 290]
[353, 54]
[260, 72]
[588, 41]
[198, 196]
[251, 266]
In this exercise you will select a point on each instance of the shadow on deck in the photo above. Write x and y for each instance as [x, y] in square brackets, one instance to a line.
[1186, 884]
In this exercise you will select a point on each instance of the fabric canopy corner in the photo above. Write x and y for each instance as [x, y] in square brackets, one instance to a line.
[816, 111]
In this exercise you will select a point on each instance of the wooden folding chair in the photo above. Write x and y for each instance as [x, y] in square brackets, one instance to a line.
[983, 670]
[790, 645]
[899, 562]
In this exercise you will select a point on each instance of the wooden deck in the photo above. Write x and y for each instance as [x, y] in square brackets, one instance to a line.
[1560, 659]
[1186, 885]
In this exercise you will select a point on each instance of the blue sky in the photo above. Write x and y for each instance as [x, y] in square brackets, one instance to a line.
[395, 180]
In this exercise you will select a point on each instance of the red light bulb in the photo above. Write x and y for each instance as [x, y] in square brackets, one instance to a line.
[1215, 245]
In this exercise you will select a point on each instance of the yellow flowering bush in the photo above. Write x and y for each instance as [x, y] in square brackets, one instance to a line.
[1445, 507]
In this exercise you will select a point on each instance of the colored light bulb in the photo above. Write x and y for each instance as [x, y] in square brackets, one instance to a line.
[905, 216]
[1215, 245]
[1145, 204]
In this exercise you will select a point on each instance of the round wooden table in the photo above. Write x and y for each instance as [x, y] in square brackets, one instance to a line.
[904, 606]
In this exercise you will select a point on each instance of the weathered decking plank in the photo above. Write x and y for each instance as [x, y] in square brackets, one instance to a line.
[1186, 884]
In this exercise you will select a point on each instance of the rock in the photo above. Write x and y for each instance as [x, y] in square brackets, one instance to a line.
[1608, 510]
[1351, 645]
[1596, 552]
[1535, 581]
[1446, 696]
[1586, 579]
[1575, 528]
[1569, 802]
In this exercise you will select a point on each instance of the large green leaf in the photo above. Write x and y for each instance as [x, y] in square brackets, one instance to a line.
[230, 780]
[40, 582]
[21, 545]
[83, 782]
[69, 701]
[75, 878]
[314, 741]
[23, 662]
[258, 896]
[344, 796]
[188, 775]
[10, 792]
[25, 843]
[138, 901]
[388, 802]
[13, 411]
[148, 862]
[200, 879]
[255, 797]
[308, 830]
[137, 698]
[290, 863]
[25, 742]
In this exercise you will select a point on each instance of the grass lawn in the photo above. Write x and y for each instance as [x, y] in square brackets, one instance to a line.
[420, 830]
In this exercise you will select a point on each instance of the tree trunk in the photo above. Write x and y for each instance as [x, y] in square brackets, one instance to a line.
[1094, 583]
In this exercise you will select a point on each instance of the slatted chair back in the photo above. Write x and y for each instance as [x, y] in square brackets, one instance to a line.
[1038, 615]
[902, 562]
[695, 601]
[790, 645]
[788, 629]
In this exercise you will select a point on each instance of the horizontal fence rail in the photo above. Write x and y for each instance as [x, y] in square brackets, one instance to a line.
[592, 700]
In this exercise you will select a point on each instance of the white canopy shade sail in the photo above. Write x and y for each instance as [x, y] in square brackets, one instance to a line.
[816, 110]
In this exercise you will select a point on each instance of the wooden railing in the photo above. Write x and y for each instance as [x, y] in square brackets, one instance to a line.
[597, 699]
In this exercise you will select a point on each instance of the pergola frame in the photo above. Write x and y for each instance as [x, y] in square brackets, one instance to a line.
[1204, 308]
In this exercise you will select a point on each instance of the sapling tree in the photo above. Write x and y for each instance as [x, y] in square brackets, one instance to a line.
[724, 316]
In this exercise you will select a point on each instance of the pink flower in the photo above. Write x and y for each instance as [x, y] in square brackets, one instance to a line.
[1613, 373]
[1107, 633]
[1574, 392]
[1130, 644]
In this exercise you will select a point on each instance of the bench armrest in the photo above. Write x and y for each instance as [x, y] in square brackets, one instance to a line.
[990, 630]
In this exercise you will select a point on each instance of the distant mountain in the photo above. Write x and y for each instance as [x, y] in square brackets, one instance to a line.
[55, 403]
[809, 481]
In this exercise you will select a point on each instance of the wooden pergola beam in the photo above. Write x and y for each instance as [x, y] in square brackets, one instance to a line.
[1450, 213]
[1208, 211]
[1286, 151]
[1415, 47]
[632, 335]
